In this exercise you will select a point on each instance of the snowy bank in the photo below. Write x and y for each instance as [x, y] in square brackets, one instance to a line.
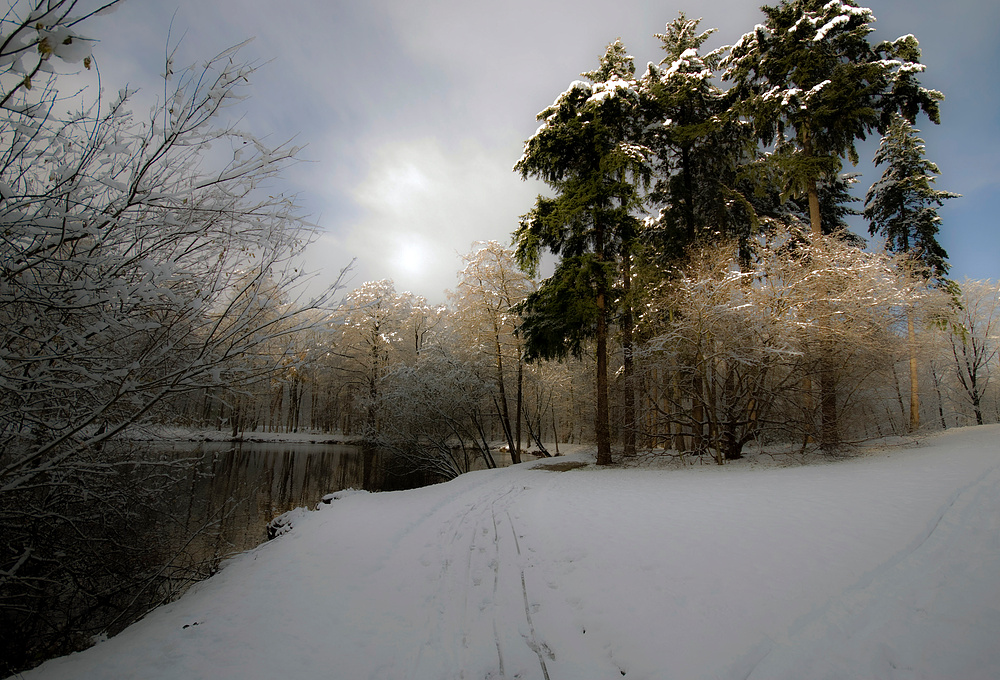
[882, 566]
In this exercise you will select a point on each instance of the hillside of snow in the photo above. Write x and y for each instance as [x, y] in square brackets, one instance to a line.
[884, 565]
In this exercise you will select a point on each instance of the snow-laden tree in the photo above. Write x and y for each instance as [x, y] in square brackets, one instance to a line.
[698, 147]
[812, 85]
[745, 332]
[489, 289]
[902, 206]
[371, 337]
[589, 150]
[435, 416]
[133, 265]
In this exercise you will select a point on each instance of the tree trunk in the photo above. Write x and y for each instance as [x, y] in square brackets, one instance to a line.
[914, 385]
[697, 406]
[602, 429]
[520, 401]
[601, 423]
[937, 389]
[829, 427]
[504, 412]
[628, 368]
[815, 221]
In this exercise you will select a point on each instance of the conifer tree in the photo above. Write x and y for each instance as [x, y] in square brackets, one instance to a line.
[699, 147]
[812, 85]
[902, 207]
[588, 150]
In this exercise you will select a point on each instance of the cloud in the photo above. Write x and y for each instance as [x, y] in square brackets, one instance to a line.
[413, 113]
[422, 204]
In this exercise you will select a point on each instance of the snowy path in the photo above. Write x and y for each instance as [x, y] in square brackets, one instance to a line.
[886, 566]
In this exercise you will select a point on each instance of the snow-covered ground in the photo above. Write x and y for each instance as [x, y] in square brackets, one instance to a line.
[886, 565]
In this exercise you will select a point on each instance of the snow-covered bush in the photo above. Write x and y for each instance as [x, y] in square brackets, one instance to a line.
[745, 349]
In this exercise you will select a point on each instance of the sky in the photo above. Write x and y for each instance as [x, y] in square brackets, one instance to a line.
[412, 114]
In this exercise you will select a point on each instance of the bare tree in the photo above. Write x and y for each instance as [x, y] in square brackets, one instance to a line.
[745, 334]
[974, 341]
[134, 267]
[490, 287]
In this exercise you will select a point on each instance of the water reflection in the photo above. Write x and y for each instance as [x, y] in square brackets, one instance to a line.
[235, 489]
[230, 491]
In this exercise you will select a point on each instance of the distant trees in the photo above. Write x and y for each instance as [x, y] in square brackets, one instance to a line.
[370, 337]
[975, 342]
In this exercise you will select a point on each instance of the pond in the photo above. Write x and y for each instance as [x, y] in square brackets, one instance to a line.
[234, 489]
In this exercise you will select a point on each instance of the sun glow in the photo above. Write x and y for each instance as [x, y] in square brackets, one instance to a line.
[412, 257]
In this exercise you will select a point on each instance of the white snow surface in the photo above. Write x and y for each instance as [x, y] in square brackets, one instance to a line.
[885, 565]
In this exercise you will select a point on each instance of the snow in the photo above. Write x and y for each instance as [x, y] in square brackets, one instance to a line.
[883, 565]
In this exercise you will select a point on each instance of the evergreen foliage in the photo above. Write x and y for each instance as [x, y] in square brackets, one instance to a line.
[812, 84]
[902, 205]
[589, 151]
[699, 147]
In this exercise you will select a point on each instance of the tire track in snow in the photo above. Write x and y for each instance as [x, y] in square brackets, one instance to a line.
[456, 622]
[863, 622]
[532, 640]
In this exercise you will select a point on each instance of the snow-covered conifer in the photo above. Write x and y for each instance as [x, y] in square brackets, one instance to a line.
[589, 150]
[812, 85]
[902, 205]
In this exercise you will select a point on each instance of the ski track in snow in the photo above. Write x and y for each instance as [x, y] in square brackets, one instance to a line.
[883, 567]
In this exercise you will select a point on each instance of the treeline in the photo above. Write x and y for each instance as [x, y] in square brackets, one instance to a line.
[722, 359]
[707, 292]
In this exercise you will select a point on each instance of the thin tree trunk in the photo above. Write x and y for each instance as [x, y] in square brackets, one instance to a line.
[602, 430]
[520, 400]
[937, 389]
[601, 423]
[513, 447]
[815, 221]
[628, 368]
[697, 406]
[829, 427]
[914, 385]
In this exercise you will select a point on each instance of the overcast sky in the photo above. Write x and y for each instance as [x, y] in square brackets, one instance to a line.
[414, 112]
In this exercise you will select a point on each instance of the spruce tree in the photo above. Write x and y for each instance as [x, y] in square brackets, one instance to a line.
[812, 85]
[902, 208]
[902, 205]
[588, 150]
[699, 147]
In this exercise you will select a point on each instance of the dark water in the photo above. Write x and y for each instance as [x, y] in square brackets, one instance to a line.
[233, 490]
